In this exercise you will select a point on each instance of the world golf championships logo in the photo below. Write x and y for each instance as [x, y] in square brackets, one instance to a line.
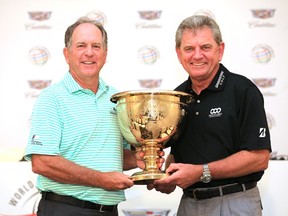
[262, 53]
[148, 54]
[39, 55]
[98, 16]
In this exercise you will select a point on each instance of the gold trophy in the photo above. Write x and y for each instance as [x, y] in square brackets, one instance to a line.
[148, 120]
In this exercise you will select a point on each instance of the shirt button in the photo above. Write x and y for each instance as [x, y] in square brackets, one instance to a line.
[197, 113]
[198, 101]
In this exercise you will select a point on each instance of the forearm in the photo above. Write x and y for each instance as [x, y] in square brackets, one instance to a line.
[240, 164]
[62, 170]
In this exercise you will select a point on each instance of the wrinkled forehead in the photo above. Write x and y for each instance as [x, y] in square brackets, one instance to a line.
[200, 35]
[87, 32]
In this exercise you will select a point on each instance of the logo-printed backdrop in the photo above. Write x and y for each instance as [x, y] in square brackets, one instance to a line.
[141, 52]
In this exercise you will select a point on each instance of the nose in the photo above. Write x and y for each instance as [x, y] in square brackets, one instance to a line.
[198, 53]
[89, 51]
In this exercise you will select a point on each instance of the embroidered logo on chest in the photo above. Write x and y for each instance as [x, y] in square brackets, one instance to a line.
[215, 112]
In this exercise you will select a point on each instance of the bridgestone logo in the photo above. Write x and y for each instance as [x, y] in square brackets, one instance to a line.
[262, 132]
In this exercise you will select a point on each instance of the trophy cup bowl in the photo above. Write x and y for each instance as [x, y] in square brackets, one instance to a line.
[148, 119]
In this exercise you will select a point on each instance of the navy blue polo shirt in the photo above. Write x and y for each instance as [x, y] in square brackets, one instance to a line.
[225, 118]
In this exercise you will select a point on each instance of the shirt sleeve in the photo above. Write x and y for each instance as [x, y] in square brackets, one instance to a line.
[46, 127]
[254, 131]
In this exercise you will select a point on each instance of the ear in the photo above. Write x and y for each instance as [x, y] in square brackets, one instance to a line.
[106, 52]
[66, 54]
[178, 53]
[221, 50]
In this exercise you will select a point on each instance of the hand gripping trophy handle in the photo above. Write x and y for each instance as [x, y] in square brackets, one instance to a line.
[148, 120]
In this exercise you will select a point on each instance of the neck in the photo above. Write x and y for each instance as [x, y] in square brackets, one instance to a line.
[198, 89]
[91, 83]
[201, 83]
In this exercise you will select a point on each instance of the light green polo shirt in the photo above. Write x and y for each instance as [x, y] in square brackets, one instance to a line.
[75, 123]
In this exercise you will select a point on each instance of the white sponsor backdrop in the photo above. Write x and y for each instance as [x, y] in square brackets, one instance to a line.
[141, 48]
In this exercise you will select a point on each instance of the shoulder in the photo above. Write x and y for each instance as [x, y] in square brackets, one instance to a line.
[54, 89]
[241, 82]
[240, 79]
[240, 85]
[243, 87]
[109, 89]
[235, 79]
[52, 95]
[112, 90]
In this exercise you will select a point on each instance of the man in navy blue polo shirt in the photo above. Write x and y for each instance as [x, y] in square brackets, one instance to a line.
[225, 146]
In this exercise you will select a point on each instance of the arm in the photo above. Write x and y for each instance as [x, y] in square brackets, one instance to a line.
[62, 170]
[238, 164]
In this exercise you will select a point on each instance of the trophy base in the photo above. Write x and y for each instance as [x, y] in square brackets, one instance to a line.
[142, 178]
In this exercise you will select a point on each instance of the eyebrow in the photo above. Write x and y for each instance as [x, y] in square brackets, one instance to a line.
[95, 43]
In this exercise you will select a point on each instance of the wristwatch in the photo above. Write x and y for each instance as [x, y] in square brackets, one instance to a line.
[206, 176]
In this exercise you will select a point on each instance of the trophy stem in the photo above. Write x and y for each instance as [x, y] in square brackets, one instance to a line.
[150, 149]
[151, 171]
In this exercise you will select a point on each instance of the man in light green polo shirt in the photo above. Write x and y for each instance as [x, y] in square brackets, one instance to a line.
[75, 144]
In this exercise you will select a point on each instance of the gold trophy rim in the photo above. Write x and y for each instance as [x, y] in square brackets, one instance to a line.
[115, 97]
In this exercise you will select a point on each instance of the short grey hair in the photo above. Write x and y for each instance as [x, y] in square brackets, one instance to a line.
[81, 20]
[197, 22]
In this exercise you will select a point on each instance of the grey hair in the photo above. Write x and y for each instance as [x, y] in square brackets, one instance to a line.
[197, 22]
[81, 20]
